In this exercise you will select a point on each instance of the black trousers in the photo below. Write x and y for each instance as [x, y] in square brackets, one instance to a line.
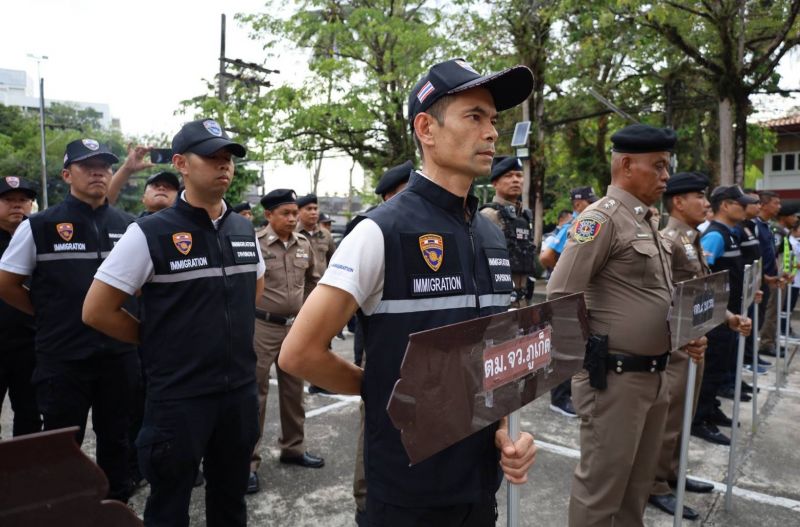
[358, 343]
[17, 362]
[65, 391]
[480, 514]
[222, 430]
[721, 348]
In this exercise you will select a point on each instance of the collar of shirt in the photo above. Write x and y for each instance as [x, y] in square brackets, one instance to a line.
[269, 232]
[222, 213]
[441, 197]
[502, 201]
[632, 203]
[683, 228]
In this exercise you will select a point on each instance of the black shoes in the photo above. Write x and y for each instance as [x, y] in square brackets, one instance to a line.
[692, 485]
[253, 485]
[667, 504]
[306, 460]
[564, 407]
[719, 418]
[710, 432]
[316, 389]
[728, 392]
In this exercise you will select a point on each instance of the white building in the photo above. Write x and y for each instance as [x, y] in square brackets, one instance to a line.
[17, 89]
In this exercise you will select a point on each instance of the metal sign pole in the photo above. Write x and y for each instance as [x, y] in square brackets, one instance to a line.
[512, 512]
[746, 286]
[778, 376]
[755, 367]
[786, 332]
[687, 424]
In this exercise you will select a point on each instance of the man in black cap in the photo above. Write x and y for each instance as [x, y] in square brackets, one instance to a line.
[325, 221]
[160, 192]
[394, 180]
[199, 269]
[785, 221]
[616, 256]
[243, 209]
[685, 202]
[506, 212]
[773, 278]
[307, 225]
[18, 359]
[77, 368]
[721, 250]
[430, 230]
[291, 275]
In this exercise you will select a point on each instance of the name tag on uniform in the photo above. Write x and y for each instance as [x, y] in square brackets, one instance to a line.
[244, 249]
[499, 270]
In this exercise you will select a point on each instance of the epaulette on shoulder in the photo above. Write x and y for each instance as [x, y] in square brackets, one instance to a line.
[302, 236]
[261, 232]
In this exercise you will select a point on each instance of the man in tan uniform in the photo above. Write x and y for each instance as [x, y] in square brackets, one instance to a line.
[506, 211]
[321, 239]
[685, 202]
[291, 274]
[616, 256]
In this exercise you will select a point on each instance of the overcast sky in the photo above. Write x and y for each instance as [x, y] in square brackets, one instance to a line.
[143, 57]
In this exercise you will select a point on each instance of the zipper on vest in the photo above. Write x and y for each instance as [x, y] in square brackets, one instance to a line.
[227, 313]
[97, 236]
[474, 267]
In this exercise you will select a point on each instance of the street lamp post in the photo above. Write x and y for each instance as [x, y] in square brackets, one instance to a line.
[39, 59]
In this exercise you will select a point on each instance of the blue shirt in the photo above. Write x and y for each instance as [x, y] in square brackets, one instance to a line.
[767, 244]
[713, 246]
[559, 239]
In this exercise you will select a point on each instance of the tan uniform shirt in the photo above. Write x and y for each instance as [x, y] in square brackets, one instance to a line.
[617, 257]
[323, 244]
[291, 272]
[688, 261]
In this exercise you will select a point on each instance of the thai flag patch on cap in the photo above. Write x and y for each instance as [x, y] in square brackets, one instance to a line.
[426, 90]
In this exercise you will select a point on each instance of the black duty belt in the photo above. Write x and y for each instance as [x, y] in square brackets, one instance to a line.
[625, 363]
[275, 319]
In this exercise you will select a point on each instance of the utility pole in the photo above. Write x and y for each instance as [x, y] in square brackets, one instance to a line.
[39, 59]
[221, 94]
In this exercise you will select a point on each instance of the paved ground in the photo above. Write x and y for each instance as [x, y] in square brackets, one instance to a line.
[766, 492]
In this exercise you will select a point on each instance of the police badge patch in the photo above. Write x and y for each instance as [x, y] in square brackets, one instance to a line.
[183, 242]
[91, 144]
[65, 230]
[12, 181]
[586, 230]
[213, 127]
[432, 248]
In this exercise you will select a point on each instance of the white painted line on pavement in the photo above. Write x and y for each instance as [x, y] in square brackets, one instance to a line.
[337, 396]
[325, 409]
[718, 487]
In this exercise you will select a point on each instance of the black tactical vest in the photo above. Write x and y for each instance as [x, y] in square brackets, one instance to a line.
[198, 310]
[16, 327]
[519, 237]
[439, 269]
[730, 259]
[72, 240]
[749, 244]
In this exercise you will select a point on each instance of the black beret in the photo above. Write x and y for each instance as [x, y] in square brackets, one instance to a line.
[204, 137]
[501, 165]
[83, 149]
[12, 183]
[508, 87]
[733, 192]
[394, 177]
[166, 176]
[586, 193]
[302, 201]
[278, 197]
[324, 218]
[643, 139]
[684, 182]
[240, 207]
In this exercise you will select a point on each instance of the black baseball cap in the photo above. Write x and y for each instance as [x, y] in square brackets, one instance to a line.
[684, 182]
[166, 176]
[12, 183]
[394, 177]
[643, 139]
[324, 218]
[586, 193]
[83, 149]
[502, 165]
[241, 207]
[508, 87]
[733, 192]
[302, 201]
[278, 197]
[204, 137]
